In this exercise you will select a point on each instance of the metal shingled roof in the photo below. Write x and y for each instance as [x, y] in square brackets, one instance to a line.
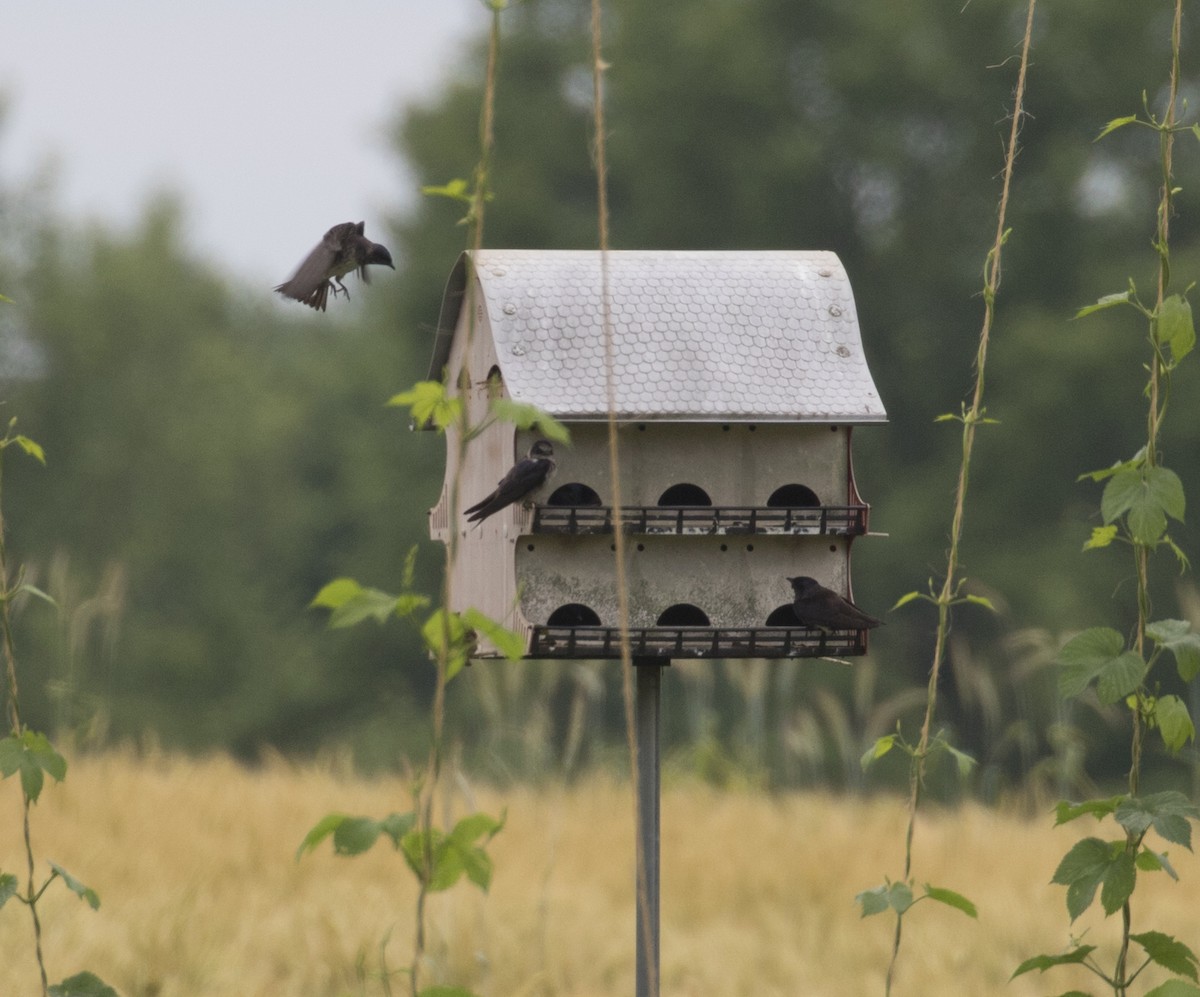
[695, 335]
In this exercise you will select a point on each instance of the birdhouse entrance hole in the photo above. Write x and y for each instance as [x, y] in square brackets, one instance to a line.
[784, 616]
[574, 614]
[683, 614]
[684, 494]
[794, 496]
[574, 494]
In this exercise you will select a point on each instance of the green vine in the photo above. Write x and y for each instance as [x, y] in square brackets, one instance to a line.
[1140, 499]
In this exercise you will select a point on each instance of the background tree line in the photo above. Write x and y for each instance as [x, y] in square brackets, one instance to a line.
[214, 459]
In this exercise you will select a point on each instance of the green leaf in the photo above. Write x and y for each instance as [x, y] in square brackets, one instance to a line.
[1116, 123]
[396, 826]
[1044, 962]
[27, 589]
[965, 762]
[1084, 868]
[951, 899]
[409, 602]
[319, 832]
[8, 887]
[1174, 326]
[1101, 536]
[76, 887]
[880, 748]
[1149, 860]
[1177, 637]
[449, 640]
[979, 600]
[1099, 654]
[456, 190]
[530, 417]
[873, 901]
[1099, 809]
[335, 593]
[1148, 495]
[355, 835]
[1165, 491]
[427, 401]
[1169, 813]
[1119, 881]
[31, 754]
[369, 604]
[1108, 301]
[82, 985]
[1172, 955]
[908, 597]
[410, 568]
[893, 896]
[1122, 491]
[1134, 462]
[1174, 722]
[352, 603]
[1174, 988]
[508, 642]
[30, 447]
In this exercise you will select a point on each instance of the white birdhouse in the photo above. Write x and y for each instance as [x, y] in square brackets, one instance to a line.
[736, 379]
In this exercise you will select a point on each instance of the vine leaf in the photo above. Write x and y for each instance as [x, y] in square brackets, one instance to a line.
[1099, 654]
[1174, 326]
[1168, 813]
[1043, 962]
[1167, 952]
[1177, 637]
[1091, 864]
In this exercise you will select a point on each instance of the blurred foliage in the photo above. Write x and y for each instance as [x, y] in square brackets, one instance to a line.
[231, 457]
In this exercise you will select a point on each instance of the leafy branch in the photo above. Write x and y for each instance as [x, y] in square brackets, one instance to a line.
[1140, 499]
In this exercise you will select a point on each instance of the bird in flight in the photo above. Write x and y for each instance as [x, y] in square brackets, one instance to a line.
[343, 249]
[817, 606]
[526, 476]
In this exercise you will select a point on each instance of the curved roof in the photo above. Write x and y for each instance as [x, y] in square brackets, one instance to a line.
[696, 336]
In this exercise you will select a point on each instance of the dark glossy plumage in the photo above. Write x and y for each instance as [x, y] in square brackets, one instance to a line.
[343, 249]
[817, 606]
[526, 476]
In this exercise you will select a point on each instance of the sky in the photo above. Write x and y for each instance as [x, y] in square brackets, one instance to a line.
[265, 118]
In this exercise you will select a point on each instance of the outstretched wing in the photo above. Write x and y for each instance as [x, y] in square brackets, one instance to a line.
[310, 282]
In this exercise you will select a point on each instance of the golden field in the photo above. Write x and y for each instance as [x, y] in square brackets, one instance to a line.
[201, 894]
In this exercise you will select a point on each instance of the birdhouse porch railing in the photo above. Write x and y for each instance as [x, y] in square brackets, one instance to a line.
[696, 642]
[843, 520]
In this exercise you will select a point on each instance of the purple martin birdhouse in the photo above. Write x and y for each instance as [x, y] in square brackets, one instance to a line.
[736, 380]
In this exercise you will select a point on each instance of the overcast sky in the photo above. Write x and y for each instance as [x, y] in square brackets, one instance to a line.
[268, 118]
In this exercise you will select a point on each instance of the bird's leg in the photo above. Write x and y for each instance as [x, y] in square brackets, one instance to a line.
[344, 289]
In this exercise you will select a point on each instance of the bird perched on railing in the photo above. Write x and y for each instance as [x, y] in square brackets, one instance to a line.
[817, 606]
[343, 249]
[527, 476]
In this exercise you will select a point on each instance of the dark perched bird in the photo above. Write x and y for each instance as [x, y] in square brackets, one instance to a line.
[343, 249]
[817, 606]
[526, 476]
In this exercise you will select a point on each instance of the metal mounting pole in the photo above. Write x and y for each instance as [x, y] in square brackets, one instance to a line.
[649, 786]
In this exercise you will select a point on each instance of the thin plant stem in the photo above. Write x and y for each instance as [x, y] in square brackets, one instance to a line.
[1155, 410]
[971, 419]
[627, 695]
[16, 728]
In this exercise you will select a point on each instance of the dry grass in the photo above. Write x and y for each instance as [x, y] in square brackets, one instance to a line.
[201, 894]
